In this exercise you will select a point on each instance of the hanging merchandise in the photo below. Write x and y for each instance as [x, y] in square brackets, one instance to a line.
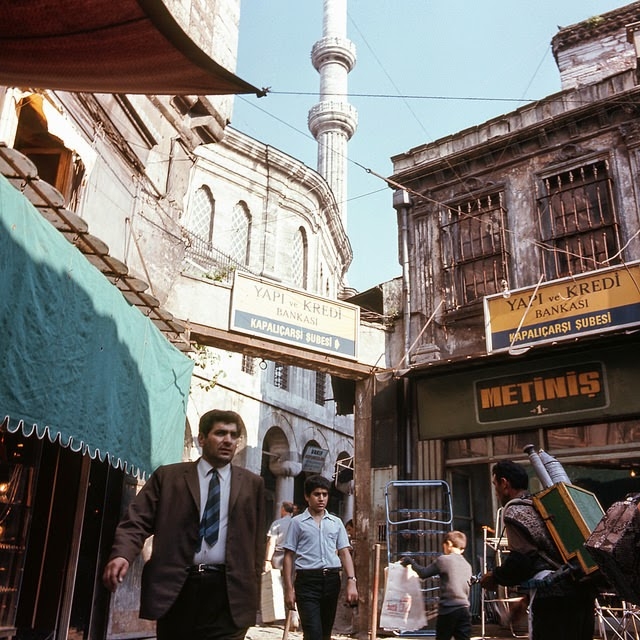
[615, 545]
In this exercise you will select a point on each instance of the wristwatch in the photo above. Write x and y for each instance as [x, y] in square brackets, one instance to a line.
[352, 578]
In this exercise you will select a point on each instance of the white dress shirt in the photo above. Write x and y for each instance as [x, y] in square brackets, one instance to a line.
[216, 553]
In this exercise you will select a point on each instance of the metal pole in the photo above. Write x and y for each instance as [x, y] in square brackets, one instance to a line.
[374, 598]
[287, 624]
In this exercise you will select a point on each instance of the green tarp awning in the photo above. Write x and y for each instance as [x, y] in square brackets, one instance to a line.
[79, 364]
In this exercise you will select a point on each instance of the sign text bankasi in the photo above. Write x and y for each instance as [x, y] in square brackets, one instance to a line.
[263, 308]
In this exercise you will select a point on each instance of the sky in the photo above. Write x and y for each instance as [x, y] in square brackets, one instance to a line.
[425, 69]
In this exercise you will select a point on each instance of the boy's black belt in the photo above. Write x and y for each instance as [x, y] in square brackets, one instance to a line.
[318, 572]
[195, 569]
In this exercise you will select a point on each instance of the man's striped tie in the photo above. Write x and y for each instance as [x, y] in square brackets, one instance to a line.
[210, 523]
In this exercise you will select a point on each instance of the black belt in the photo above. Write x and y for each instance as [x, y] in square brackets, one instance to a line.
[317, 572]
[196, 569]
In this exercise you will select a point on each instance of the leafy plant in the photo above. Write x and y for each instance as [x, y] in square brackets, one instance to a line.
[221, 274]
[208, 360]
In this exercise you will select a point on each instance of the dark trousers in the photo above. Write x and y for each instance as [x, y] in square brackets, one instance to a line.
[454, 624]
[317, 601]
[563, 618]
[201, 612]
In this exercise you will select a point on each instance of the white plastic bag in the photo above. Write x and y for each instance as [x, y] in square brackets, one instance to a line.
[403, 604]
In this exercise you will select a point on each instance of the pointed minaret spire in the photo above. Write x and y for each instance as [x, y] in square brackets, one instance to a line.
[333, 120]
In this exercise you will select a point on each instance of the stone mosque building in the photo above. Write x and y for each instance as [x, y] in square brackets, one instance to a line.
[129, 191]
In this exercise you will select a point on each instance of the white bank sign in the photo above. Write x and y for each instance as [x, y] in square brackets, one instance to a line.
[263, 308]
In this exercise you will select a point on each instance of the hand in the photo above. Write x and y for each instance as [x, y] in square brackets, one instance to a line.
[290, 598]
[406, 561]
[352, 593]
[489, 582]
[114, 573]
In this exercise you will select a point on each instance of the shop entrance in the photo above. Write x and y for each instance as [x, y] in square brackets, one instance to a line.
[55, 509]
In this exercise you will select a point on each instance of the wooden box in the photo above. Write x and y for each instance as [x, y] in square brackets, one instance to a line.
[571, 514]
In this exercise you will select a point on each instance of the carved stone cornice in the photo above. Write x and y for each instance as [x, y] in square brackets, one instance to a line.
[550, 124]
[630, 131]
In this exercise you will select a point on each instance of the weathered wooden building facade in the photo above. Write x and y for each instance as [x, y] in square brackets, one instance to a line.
[521, 238]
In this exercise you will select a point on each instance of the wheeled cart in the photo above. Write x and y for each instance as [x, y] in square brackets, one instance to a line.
[418, 514]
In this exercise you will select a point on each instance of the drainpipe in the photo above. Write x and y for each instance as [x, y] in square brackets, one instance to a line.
[402, 204]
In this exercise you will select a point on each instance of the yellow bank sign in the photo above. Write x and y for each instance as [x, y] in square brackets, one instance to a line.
[593, 302]
[268, 310]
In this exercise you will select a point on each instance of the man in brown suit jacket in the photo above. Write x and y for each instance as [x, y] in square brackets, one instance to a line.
[193, 588]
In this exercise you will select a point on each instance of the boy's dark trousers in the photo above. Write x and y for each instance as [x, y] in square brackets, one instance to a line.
[454, 624]
[317, 594]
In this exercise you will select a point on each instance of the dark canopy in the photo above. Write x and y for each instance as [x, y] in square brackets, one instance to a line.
[106, 46]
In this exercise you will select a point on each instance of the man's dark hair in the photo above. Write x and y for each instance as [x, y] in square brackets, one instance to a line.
[287, 507]
[315, 482]
[513, 472]
[220, 415]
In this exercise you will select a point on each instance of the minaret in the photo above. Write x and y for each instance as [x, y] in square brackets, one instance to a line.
[333, 120]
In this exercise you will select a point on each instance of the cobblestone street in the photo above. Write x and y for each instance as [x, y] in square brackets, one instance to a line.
[272, 631]
[275, 631]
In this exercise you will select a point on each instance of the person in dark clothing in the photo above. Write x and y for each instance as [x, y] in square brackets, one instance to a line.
[559, 609]
[202, 581]
[454, 615]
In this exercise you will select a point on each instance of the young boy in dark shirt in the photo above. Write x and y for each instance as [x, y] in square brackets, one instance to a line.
[454, 615]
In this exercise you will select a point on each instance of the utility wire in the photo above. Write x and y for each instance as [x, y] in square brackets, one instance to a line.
[390, 96]
[394, 96]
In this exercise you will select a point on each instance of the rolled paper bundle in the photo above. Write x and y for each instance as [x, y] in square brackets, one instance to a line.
[554, 468]
[538, 466]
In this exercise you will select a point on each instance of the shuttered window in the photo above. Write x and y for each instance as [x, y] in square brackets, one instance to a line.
[474, 252]
[577, 221]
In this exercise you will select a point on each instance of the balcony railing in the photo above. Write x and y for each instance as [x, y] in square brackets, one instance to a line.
[204, 260]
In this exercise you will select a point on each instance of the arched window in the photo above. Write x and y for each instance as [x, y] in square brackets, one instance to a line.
[200, 216]
[299, 259]
[240, 233]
